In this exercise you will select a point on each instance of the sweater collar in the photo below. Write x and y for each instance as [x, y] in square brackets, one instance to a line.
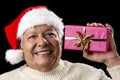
[59, 68]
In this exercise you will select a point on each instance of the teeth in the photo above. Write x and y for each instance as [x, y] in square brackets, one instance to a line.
[43, 52]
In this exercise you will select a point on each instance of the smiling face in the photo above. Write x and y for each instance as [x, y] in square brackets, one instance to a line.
[42, 47]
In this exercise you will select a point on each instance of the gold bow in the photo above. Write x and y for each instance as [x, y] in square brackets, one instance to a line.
[83, 40]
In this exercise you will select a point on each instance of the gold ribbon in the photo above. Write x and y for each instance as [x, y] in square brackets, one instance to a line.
[83, 41]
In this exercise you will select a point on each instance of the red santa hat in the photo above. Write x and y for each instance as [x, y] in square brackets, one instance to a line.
[31, 16]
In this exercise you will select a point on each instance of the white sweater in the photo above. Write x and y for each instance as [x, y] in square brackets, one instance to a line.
[64, 71]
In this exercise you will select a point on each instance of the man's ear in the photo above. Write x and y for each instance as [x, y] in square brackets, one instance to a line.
[61, 41]
[19, 44]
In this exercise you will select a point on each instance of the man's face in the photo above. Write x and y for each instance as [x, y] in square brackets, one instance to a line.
[42, 47]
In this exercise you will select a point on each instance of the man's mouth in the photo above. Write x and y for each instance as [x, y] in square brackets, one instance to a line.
[43, 52]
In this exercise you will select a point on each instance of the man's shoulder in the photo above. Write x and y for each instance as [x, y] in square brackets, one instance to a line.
[8, 75]
[78, 65]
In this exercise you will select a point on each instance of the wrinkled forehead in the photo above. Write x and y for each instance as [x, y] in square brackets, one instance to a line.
[40, 29]
[43, 28]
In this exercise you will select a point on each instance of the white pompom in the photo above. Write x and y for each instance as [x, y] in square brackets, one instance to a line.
[14, 56]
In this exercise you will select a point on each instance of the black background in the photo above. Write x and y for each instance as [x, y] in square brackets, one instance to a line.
[72, 12]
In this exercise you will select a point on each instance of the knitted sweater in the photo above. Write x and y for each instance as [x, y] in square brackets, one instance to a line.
[64, 71]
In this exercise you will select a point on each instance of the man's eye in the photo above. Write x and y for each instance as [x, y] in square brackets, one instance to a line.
[50, 35]
[32, 37]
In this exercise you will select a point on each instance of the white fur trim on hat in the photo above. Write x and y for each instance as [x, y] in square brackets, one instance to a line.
[14, 56]
[40, 16]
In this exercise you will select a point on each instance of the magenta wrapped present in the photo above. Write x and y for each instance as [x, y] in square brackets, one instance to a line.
[86, 38]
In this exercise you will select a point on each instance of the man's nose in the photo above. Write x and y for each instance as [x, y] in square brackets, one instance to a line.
[41, 41]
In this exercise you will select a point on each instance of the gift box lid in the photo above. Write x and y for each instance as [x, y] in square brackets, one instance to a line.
[96, 32]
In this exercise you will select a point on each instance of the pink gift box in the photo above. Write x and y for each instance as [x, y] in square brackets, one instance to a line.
[98, 40]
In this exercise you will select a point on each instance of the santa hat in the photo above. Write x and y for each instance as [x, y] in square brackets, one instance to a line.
[31, 16]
